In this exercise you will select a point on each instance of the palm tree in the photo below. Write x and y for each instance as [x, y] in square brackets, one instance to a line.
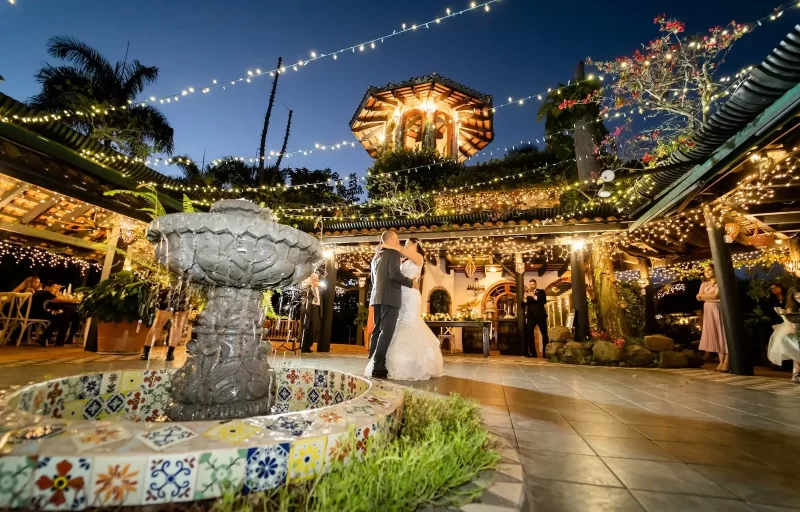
[90, 84]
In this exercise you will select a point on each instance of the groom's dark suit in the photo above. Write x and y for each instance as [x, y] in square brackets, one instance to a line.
[386, 299]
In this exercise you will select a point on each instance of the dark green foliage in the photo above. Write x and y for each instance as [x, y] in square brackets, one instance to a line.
[559, 121]
[123, 297]
[92, 84]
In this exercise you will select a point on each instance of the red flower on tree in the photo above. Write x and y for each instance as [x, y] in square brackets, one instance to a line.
[59, 483]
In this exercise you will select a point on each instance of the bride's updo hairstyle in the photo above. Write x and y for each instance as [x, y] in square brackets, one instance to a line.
[421, 252]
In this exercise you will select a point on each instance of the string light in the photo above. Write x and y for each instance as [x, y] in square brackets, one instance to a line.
[36, 257]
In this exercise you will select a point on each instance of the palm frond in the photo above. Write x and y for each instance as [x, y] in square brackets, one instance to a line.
[86, 58]
[136, 77]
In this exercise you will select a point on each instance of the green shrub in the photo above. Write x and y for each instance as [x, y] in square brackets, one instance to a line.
[123, 297]
[441, 446]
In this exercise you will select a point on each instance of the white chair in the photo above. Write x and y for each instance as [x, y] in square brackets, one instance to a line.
[21, 318]
[6, 308]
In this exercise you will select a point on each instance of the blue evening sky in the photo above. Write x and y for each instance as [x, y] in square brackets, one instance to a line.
[520, 47]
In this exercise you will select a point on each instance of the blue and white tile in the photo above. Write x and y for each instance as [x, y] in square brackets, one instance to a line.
[170, 478]
[266, 468]
[166, 436]
[90, 385]
[111, 382]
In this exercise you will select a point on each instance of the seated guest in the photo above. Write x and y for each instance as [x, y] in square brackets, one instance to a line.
[31, 284]
[43, 308]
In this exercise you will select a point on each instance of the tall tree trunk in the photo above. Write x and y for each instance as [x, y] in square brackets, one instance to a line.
[283, 150]
[606, 297]
[262, 147]
[584, 138]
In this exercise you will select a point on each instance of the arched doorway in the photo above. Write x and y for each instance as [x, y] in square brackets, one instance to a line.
[443, 124]
[413, 129]
[497, 298]
[439, 301]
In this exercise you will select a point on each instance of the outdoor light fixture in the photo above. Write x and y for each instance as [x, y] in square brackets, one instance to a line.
[604, 192]
[493, 268]
[328, 254]
[578, 244]
[362, 281]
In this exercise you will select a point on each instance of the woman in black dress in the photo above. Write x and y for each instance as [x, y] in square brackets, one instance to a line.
[173, 304]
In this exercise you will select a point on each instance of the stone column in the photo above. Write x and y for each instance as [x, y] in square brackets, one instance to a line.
[329, 297]
[581, 322]
[740, 360]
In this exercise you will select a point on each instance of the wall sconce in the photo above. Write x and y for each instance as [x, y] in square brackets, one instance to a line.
[493, 269]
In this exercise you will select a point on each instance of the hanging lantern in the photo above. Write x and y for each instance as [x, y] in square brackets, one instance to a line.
[362, 281]
[519, 265]
[761, 241]
[731, 231]
[470, 268]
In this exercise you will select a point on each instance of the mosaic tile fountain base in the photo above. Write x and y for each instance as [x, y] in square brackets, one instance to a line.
[102, 440]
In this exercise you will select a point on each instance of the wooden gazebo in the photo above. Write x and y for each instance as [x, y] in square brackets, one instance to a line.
[425, 112]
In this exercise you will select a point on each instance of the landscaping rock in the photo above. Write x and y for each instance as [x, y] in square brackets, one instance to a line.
[606, 352]
[575, 353]
[637, 355]
[695, 358]
[657, 343]
[559, 334]
[552, 349]
[588, 345]
[672, 359]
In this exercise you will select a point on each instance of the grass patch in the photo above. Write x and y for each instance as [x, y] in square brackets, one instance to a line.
[441, 445]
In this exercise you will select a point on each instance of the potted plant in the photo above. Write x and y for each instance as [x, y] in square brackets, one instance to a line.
[122, 307]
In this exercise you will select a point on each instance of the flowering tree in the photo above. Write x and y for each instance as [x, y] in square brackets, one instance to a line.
[672, 82]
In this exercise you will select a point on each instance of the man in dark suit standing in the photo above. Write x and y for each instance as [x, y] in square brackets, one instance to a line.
[535, 316]
[386, 299]
[311, 311]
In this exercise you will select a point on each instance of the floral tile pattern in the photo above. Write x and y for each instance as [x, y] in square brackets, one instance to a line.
[291, 426]
[116, 483]
[339, 448]
[170, 478]
[307, 457]
[15, 478]
[219, 470]
[110, 383]
[233, 432]
[134, 401]
[167, 436]
[266, 468]
[93, 408]
[60, 483]
[90, 386]
[99, 436]
[72, 388]
[363, 437]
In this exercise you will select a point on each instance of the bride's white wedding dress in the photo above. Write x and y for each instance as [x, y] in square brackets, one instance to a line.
[414, 352]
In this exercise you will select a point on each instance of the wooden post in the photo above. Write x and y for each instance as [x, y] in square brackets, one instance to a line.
[362, 303]
[650, 323]
[111, 252]
[579, 299]
[740, 360]
[324, 344]
[520, 286]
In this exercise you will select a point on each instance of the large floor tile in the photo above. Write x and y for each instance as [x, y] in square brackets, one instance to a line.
[586, 428]
[673, 434]
[761, 486]
[671, 477]
[664, 502]
[549, 496]
[561, 425]
[710, 454]
[553, 442]
[582, 469]
[589, 416]
[642, 448]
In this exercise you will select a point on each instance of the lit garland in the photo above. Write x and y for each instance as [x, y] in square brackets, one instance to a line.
[504, 200]
[313, 57]
[695, 269]
[43, 258]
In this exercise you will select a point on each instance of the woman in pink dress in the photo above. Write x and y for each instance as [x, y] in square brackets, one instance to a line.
[713, 338]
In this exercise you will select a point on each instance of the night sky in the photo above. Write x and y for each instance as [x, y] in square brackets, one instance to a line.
[520, 47]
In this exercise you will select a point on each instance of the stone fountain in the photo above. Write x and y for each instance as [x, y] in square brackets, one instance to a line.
[238, 250]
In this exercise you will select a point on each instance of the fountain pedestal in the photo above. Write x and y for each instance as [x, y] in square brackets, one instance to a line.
[239, 250]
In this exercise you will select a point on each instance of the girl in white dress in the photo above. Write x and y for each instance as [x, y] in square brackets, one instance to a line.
[784, 344]
[414, 352]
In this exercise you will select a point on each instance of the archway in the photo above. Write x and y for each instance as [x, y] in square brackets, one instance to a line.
[439, 301]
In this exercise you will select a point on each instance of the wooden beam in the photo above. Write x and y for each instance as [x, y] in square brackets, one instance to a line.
[25, 230]
[14, 193]
[563, 269]
[77, 212]
[37, 210]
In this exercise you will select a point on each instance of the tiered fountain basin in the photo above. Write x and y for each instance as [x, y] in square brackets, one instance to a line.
[101, 439]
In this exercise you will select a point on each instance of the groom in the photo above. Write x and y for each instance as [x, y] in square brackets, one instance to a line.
[385, 299]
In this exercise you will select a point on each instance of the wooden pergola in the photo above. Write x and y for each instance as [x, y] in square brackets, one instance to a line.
[396, 115]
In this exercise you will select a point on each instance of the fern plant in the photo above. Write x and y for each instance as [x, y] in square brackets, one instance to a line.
[154, 210]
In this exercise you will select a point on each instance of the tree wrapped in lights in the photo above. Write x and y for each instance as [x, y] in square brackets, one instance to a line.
[672, 81]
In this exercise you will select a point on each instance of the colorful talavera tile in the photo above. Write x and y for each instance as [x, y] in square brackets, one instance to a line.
[307, 457]
[117, 483]
[378, 402]
[110, 383]
[307, 377]
[284, 393]
[320, 378]
[338, 397]
[60, 483]
[364, 436]
[166, 436]
[219, 470]
[15, 481]
[340, 448]
[281, 408]
[99, 436]
[39, 399]
[170, 478]
[25, 401]
[333, 377]
[153, 379]
[113, 406]
[90, 385]
[233, 432]
[325, 397]
[93, 408]
[300, 394]
[73, 410]
[134, 401]
[330, 417]
[312, 396]
[266, 468]
[290, 426]
[291, 376]
[130, 381]
[72, 388]
[359, 409]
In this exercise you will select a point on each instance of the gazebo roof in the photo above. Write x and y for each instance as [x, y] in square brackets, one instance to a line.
[377, 108]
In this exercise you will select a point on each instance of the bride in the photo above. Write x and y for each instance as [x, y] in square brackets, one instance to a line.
[414, 352]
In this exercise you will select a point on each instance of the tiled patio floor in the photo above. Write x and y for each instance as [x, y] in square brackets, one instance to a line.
[591, 439]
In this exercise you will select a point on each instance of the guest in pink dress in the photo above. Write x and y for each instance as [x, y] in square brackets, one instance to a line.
[713, 338]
